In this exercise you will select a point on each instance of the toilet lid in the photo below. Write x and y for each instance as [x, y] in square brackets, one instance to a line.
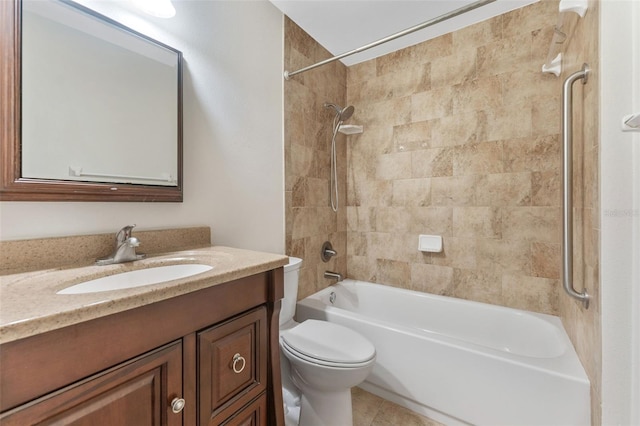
[327, 341]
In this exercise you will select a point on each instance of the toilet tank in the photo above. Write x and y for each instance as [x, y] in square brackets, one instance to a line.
[291, 275]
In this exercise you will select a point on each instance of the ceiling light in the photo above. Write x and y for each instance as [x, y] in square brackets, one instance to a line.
[157, 8]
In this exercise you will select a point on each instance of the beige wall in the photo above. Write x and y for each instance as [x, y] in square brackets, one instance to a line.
[233, 151]
[584, 326]
[310, 220]
[461, 139]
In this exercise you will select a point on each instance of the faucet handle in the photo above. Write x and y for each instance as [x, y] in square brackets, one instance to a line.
[124, 233]
[327, 251]
[132, 242]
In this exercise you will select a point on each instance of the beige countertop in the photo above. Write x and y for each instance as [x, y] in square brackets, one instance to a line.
[29, 304]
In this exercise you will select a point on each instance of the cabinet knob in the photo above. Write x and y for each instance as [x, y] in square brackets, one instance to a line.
[238, 363]
[177, 404]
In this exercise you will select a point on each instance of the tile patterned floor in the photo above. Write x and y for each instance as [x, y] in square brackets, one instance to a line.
[371, 410]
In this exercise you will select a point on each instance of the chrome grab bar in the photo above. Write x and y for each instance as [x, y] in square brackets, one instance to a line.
[567, 182]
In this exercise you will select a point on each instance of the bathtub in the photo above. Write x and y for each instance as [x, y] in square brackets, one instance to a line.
[460, 362]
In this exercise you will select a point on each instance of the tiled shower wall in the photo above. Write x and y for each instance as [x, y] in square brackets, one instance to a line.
[310, 221]
[584, 326]
[461, 139]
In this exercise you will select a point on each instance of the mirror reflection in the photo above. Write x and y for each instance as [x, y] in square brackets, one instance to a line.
[100, 103]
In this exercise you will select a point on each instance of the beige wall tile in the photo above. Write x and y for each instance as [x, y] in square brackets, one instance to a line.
[454, 191]
[478, 222]
[546, 260]
[434, 48]
[509, 122]
[458, 253]
[504, 189]
[401, 247]
[525, 19]
[477, 94]
[394, 166]
[477, 285]
[392, 112]
[430, 220]
[392, 271]
[531, 224]
[434, 103]
[372, 193]
[393, 219]
[411, 192]
[479, 34]
[505, 55]
[544, 114]
[504, 256]
[453, 69]
[362, 268]
[363, 71]
[432, 278]
[412, 136]
[459, 129]
[519, 86]
[533, 154]
[478, 159]
[523, 292]
[431, 162]
[361, 218]
[546, 188]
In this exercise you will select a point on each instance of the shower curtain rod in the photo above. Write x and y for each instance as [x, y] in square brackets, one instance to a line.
[441, 18]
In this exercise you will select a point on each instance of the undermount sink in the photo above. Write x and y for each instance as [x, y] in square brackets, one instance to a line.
[138, 278]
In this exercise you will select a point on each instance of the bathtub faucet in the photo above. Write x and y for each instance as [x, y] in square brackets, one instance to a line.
[333, 275]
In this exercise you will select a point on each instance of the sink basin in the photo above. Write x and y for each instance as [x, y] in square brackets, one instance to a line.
[137, 278]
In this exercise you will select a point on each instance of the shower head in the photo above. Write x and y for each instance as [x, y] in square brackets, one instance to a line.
[343, 114]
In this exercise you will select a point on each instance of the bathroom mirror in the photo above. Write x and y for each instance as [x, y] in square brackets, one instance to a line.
[91, 110]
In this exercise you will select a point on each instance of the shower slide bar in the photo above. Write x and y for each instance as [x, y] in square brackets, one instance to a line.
[567, 183]
[437, 20]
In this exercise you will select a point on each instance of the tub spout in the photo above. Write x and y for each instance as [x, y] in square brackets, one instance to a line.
[333, 275]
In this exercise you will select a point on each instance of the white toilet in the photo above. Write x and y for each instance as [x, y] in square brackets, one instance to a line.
[321, 362]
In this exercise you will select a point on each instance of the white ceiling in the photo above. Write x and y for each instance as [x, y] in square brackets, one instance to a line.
[344, 25]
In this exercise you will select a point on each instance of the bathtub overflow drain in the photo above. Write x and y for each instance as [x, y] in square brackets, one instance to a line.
[332, 297]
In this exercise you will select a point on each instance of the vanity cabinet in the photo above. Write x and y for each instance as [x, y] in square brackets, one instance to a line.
[132, 393]
[216, 349]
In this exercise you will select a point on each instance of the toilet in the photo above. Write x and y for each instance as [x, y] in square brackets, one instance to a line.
[320, 363]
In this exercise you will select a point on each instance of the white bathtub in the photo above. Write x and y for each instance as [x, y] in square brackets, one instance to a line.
[461, 362]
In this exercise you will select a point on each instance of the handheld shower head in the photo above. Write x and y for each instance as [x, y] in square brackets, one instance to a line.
[343, 114]
[346, 113]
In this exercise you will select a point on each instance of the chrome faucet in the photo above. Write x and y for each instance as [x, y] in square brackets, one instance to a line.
[125, 250]
[333, 275]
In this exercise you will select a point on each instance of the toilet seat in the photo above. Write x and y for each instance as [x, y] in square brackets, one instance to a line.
[290, 352]
[328, 344]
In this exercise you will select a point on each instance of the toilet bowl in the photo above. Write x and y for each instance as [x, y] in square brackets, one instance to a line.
[320, 363]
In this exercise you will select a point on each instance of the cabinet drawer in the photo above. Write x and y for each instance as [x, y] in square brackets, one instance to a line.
[232, 365]
[254, 414]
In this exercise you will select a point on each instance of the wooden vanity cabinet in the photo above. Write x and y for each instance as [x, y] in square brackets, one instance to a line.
[215, 348]
[133, 393]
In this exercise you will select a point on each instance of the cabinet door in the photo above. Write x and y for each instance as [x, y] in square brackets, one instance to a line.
[254, 414]
[138, 392]
[232, 366]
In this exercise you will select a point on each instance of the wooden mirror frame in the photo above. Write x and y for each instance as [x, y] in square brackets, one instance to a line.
[13, 187]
